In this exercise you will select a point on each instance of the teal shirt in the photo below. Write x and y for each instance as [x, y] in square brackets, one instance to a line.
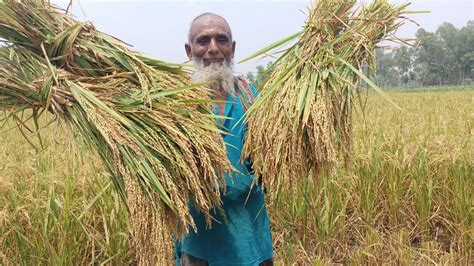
[243, 237]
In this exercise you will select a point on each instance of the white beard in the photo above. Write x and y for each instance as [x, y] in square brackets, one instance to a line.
[220, 74]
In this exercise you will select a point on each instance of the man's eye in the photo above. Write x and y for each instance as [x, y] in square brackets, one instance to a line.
[222, 39]
[202, 40]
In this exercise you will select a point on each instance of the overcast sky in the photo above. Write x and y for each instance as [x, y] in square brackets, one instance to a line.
[158, 28]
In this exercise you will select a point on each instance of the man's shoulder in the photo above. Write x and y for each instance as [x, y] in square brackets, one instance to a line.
[244, 91]
[243, 82]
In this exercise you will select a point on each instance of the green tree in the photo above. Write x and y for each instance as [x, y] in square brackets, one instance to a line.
[386, 74]
[443, 57]
[262, 73]
[449, 35]
[431, 59]
[465, 42]
[250, 77]
[403, 62]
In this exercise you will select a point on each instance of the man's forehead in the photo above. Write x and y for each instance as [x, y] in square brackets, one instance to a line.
[209, 23]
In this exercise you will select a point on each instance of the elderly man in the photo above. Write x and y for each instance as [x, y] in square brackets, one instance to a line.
[241, 235]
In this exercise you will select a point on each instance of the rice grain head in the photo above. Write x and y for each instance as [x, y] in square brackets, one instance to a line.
[302, 121]
[151, 126]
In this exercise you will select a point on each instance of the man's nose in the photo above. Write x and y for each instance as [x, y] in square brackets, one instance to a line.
[213, 49]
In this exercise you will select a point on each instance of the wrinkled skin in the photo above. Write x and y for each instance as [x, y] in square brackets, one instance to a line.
[210, 39]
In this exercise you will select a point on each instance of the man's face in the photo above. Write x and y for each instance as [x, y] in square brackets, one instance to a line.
[210, 40]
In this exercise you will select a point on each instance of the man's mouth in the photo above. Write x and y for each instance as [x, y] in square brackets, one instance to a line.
[214, 60]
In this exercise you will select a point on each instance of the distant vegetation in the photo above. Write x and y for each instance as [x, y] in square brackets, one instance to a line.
[444, 57]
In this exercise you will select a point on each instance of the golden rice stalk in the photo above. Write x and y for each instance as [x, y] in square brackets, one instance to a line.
[302, 120]
[152, 128]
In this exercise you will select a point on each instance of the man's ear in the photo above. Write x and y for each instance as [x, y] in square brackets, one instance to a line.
[233, 49]
[188, 51]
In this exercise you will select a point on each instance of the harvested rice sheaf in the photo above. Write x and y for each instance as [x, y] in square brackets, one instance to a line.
[302, 121]
[152, 128]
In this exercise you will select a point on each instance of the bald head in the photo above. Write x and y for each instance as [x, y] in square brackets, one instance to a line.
[208, 19]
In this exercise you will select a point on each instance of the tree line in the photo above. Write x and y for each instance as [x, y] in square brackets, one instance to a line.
[443, 57]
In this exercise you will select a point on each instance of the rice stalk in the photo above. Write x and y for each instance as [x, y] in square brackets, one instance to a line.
[302, 121]
[152, 127]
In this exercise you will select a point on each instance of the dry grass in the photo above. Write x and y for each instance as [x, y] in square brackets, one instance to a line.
[406, 199]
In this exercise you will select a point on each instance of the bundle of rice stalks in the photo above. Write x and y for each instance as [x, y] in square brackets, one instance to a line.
[301, 122]
[151, 127]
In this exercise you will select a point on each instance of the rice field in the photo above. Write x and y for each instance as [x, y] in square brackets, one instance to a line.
[406, 198]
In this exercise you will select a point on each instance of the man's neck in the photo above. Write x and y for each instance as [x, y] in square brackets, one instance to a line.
[219, 93]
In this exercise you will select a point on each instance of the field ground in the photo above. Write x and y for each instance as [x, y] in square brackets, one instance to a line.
[406, 198]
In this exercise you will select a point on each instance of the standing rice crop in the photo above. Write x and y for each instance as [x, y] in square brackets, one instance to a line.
[151, 126]
[302, 121]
